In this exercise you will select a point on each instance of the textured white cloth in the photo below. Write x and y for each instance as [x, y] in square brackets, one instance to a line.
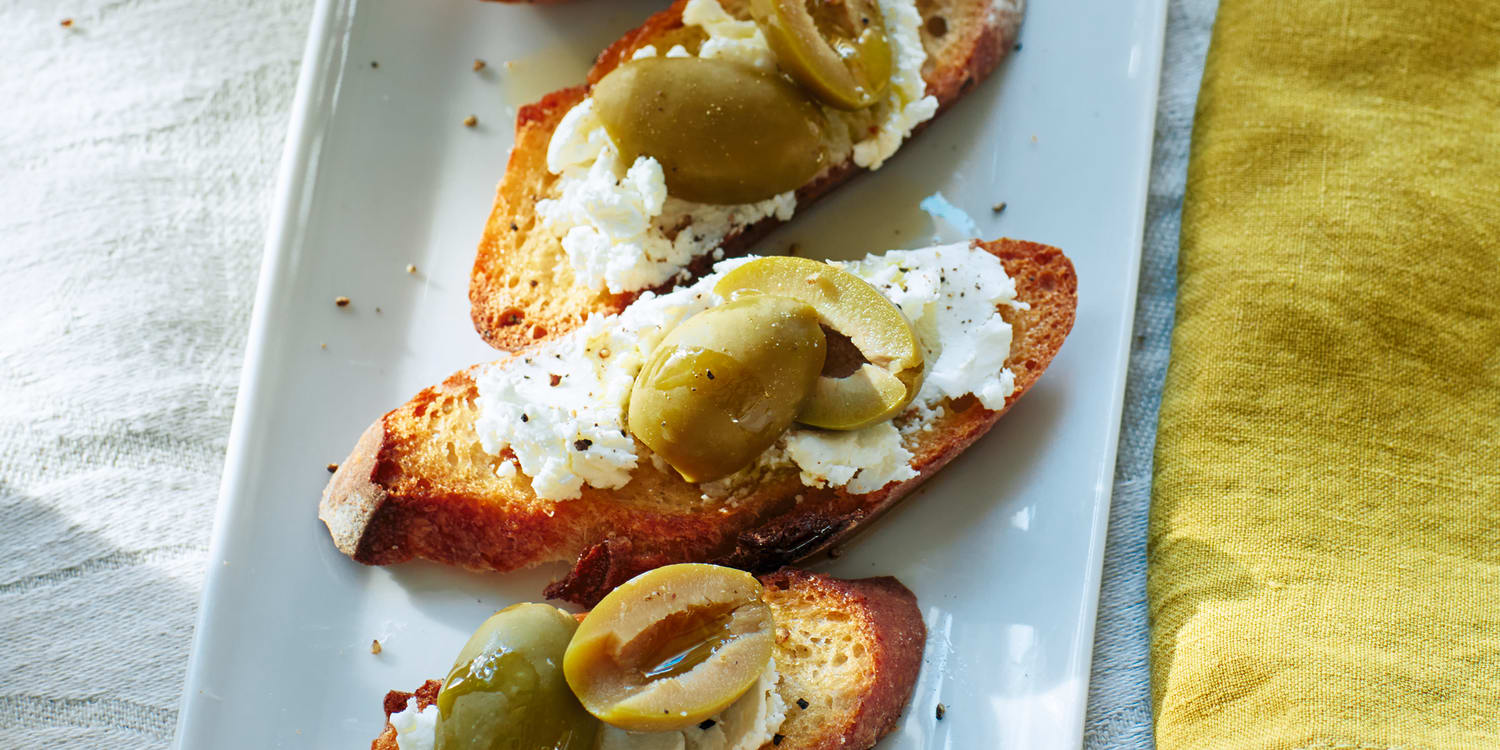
[138, 151]
[137, 157]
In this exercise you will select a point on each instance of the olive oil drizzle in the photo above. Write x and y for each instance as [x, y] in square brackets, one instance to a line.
[680, 654]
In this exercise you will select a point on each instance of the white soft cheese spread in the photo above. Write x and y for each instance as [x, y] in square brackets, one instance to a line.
[415, 730]
[621, 231]
[861, 461]
[951, 295]
[907, 105]
[558, 412]
[747, 724]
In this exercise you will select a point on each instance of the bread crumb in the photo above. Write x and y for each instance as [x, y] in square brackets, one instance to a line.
[66, 23]
[471, 121]
[478, 65]
[998, 207]
[375, 647]
[411, 268]
[1033, 138]
[377, 310]
[332, 468]
[941, 711]
[374, 64]
[323, 345]
[341, 301]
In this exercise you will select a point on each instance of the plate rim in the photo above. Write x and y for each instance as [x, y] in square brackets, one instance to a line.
[312, 105]
[1099, 530]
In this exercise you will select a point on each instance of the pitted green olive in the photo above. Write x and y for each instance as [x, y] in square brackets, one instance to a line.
[723, 133]
[506, 690]
[671, 647]
[891, 374]
[725, 384]
[837, 50]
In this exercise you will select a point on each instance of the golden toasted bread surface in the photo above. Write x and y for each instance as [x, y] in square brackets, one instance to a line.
[419, 485]
[849, 649]
[523, 289]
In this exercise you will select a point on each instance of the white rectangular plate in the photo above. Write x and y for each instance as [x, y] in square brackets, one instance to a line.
[1003, 549]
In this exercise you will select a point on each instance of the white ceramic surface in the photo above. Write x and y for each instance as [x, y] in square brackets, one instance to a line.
[1003, 549]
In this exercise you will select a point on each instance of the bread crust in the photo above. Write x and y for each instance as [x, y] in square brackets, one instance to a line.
[882, 613]
[391, 501]
[522, 289]
[895, 637]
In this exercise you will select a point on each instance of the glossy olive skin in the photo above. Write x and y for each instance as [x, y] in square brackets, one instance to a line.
[671, 647]
[724, 385]
[507, 691]
[838, 51]
[722, 132]
[894, 362]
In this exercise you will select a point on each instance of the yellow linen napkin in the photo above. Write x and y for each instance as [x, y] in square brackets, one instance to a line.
[1325, 532]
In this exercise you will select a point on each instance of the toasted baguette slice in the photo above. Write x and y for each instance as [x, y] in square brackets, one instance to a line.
[419, 485]
[523, 289]
[850, 648]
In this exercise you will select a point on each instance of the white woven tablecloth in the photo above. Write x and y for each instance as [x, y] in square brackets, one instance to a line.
[138, 148]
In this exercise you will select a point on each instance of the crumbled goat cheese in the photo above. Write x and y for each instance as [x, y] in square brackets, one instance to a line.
[907, 105]
[861, 460]
[728, 38]
[621, 231]
[415, 730]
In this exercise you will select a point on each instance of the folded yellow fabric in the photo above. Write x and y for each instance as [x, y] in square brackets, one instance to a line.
[1325, 532]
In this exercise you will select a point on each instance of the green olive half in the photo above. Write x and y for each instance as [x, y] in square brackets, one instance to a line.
[891, 373]
[671, 647]
[507, 691]
[724, 385]
[837, 50]
[722, 132]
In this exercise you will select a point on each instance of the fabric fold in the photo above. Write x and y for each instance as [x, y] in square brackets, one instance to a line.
[1325, 533]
